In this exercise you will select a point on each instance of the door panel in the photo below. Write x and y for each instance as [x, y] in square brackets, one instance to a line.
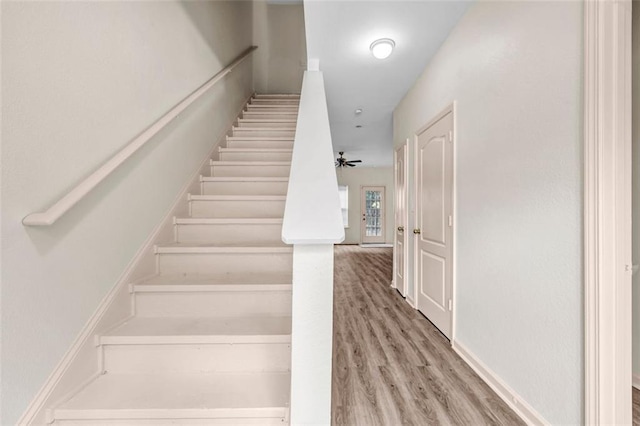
[400, 193]
[372, 230]
[434, 232]
[432, 212]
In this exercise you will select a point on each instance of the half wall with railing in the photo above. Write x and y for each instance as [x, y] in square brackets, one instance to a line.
[312, 224]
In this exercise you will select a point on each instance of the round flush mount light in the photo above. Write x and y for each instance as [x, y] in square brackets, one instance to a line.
[358, 111]
[382, 48]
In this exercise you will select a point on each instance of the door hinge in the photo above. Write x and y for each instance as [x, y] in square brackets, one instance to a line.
[450, 304]
[450, 221]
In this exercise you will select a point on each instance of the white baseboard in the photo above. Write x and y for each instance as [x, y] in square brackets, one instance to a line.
[636, 381]
[411, 302]
[508, 395]
[54, 391]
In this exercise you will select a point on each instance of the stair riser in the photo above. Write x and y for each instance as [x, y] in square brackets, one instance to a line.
[169, 422]
[250, 132]
[197, 358]
[260, 144]
[255, 156]
[263, 101]
[271, 123]
[272, 108]
[209, 263]
[214, 304]
[276, 96]
[244, 188]
[250, 171]
[239, 209]
[228, 234]
[260, 115]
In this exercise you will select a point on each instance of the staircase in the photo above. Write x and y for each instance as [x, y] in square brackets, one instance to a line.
[209, 339]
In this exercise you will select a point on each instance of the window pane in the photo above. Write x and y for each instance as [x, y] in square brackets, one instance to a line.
[343, 191]
[373, 226]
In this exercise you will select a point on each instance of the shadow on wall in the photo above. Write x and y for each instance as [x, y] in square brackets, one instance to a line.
[80, 81]
[215, 24]
[279, 32]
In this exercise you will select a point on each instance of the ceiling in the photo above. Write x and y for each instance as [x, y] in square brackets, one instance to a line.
[339, 34]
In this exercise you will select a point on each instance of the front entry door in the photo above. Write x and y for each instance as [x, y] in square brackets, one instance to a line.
[434, 216]
[372, 208]
[400, 247]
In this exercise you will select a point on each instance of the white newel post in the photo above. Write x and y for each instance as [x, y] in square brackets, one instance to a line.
[312, 334]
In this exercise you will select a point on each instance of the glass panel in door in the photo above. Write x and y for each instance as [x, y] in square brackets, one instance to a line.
[373, 215]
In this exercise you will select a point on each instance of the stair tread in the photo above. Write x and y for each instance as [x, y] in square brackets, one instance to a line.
[261, 138]
[264, 278]
[203, 326]
[265, 129]
[267, 120]
[251, 150]
[276, 95]
[238, 197]
[226, 245]
[227, 248]
[160, 395]
[248, 163]
[228, 221]
[244, 179]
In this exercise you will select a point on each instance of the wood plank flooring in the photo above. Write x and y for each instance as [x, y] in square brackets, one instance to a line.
[391, 366]
[636, 407]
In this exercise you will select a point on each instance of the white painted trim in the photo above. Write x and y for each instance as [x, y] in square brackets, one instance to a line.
[504, 391]
[394, 265]
[71, 198]
[403, 291]
[45, 397]
[607, 211]
[411, 302]
[414, 301]
[454, 213]
[636, 381]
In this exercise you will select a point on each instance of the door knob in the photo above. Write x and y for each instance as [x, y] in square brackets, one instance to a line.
[416, 231]
[400, 228]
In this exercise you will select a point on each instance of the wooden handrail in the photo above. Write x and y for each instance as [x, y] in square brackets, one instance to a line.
[53, 213]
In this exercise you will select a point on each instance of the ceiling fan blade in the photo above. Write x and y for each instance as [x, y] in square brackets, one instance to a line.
[354, 161]
[351, 165]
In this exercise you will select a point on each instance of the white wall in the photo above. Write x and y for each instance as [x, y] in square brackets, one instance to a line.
[357, 177]
[514, 70]
[80, 80]
[636, 186]
[280, 61]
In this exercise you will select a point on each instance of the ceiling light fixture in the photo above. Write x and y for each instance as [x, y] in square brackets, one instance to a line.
[358, 111]
[382, 48]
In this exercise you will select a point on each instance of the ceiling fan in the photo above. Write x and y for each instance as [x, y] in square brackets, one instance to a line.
[342, 162]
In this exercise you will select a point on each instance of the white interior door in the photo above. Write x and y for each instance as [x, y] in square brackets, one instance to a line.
[434, 217]
[400, 246]
[372, 208]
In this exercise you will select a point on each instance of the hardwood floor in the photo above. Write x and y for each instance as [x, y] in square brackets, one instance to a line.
[636, 407]
[391, 366]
